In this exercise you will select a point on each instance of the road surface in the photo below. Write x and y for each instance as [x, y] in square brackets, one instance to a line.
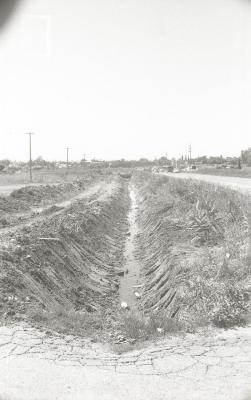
[241, 184]
[40, 366]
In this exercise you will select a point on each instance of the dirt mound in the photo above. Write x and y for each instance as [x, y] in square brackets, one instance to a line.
[9, 205]
[15, 207]
[35, 195]
[9, 208]
[68, 259]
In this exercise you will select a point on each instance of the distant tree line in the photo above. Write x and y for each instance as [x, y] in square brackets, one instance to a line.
[246, 157]
[40, 163]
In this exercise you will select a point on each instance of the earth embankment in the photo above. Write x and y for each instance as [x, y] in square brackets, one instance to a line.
[193, 250]
[69, 259]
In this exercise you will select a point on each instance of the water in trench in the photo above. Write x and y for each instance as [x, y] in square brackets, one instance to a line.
[130, 289]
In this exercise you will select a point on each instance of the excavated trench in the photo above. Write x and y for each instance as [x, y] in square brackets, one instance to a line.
[120, 249]
[82, 256]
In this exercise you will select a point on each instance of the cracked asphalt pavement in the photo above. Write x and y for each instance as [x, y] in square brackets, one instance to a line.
[36, 365]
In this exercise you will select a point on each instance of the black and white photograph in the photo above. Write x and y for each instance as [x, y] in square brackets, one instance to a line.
[125, 200]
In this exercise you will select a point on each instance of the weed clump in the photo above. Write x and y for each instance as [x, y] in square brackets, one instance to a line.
[68, 321]
[136, 325]
[213, 297]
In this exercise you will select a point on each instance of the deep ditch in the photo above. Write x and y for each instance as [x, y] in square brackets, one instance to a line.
[107, 258]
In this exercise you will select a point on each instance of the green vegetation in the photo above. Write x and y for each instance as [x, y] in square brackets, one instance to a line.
[232, 172]
[69, 321]
[198, 233]
[149, 326]
[246, 156]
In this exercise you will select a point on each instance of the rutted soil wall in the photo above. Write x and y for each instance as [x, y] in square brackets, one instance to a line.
[158, 255]
[193, 249]
[71, 259]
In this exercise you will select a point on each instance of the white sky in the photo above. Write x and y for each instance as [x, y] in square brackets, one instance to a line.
[126, 78]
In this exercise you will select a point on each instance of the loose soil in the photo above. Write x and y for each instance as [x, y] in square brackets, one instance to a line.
[69, 258]
[38, 214]
[24, 203]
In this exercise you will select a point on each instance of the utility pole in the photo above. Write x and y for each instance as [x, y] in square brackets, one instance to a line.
[67, 157]
[30, 134]
[190, 152]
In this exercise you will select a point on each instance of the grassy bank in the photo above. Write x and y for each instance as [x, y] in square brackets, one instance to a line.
[194, 251]
[231, 172]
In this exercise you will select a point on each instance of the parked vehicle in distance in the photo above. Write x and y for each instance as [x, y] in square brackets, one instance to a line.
[167, 168]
